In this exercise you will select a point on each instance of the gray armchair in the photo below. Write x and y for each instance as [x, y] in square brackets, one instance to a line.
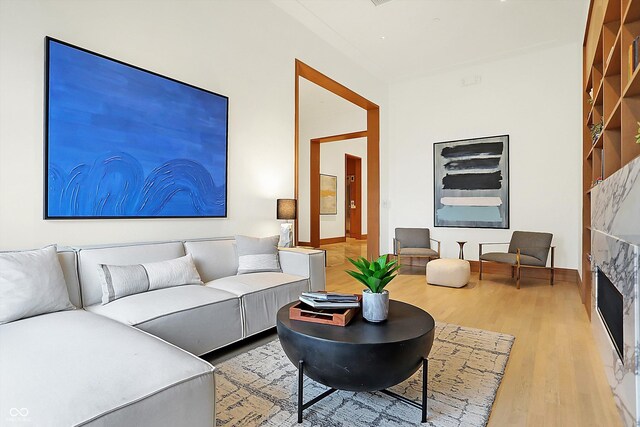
[414, 243]
[526, 249]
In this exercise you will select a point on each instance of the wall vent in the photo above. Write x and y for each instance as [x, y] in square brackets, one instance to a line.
[379, 2]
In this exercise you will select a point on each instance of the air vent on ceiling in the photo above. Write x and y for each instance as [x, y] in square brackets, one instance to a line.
[379, 2]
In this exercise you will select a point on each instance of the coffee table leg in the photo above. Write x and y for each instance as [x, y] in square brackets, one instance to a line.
[425, 375]
[300, 390]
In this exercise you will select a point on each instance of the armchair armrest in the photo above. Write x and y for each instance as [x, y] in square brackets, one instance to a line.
[437, 241]
[308, 263]
[485, 243]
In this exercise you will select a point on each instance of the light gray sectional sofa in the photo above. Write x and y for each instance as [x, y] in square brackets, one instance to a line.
[133, 361]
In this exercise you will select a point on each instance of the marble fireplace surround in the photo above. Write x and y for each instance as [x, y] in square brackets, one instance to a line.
[615, 249]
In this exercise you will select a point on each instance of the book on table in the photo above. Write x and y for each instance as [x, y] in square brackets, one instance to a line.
[325, 304]
[330, 296]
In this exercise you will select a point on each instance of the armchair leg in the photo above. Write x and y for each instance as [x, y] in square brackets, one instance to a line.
[513, 272]
[552, 276]
[480, 269]
[518, 277]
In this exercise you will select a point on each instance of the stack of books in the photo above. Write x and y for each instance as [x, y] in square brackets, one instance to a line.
[329, 300]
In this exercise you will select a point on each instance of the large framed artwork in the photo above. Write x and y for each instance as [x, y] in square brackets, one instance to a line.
[123, 142]
[471, 179]
[328, 195]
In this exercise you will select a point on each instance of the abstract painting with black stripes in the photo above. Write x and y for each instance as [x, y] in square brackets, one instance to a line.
[472, 183]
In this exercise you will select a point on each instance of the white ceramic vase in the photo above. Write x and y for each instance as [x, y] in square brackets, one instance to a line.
[375, 307]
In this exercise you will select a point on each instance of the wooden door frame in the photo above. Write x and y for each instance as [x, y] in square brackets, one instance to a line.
[314, 182]
[357, 198]
[373, 148]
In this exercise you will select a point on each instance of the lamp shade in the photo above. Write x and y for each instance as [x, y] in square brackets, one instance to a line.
[286, 209]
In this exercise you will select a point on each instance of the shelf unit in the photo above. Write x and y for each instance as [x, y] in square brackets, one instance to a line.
[611, 96]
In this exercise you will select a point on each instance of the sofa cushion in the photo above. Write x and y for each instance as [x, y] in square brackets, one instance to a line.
[262, 294]
[31, 283]
[77, 368]
[90, 257]
[69, 264]
[257, 254]
[188, 316]
[214, 258]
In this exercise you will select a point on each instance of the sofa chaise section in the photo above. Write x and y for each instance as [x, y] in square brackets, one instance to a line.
[74, 368]
[194, 317]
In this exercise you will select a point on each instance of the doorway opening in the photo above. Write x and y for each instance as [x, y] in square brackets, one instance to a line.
[353, 197]
[372, 134]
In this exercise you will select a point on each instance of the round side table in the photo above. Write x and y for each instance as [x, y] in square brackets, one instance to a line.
[461, 253]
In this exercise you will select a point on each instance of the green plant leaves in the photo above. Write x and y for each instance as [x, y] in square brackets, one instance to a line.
[375, 274]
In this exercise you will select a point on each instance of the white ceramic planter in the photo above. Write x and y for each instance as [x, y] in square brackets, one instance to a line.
[375, 307]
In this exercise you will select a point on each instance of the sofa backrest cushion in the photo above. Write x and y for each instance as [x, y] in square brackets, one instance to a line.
[69, 264]
[31, 283]
[214, 258]
[89, 259]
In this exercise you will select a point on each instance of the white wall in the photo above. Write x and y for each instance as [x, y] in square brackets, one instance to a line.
[242, 49]
[332, 162]
[535, 98]
[324, 114]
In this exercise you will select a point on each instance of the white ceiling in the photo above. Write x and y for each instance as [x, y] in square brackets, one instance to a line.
[402, 39]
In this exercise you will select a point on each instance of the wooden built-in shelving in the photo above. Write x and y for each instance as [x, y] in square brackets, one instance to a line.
[612, 97]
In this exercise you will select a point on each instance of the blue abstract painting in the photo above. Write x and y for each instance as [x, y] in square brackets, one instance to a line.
[122, 142]
[472, 183]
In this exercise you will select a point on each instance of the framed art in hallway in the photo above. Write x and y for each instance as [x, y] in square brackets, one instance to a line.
[124, 142]
[328, 195]
[471, 178]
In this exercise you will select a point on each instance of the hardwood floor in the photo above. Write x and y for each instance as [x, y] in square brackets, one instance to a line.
[554, 376]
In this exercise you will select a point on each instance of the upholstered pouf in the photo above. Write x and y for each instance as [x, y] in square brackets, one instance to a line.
[448, 272]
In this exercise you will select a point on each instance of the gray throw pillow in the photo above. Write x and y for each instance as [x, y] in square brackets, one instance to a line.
[122, 280]
[31, 283]
[257, 254]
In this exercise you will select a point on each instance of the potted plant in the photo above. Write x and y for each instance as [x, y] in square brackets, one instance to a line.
[375, 275]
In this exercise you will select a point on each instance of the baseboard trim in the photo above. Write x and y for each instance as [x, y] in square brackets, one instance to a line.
[331, 240]
[561, 274]
[327, 241]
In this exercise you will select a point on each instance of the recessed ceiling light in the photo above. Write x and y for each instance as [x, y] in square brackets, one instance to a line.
[382, 37]
[436, 19]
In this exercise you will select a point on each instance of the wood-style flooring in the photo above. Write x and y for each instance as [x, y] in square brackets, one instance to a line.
[555, 375]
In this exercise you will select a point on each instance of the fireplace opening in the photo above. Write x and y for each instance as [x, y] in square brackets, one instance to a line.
[610, 309]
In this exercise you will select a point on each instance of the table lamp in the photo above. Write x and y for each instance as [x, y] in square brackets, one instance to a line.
[286, 210]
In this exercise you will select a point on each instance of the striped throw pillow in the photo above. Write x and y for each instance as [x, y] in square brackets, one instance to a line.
[122, 280]
[257, 255]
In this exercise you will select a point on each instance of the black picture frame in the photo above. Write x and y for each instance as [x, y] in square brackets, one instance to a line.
[211, 199]
[503, 193]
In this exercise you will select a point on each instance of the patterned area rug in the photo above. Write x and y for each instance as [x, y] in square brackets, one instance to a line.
[258, 388]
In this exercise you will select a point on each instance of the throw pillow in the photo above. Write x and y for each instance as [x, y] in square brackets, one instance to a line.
[176, 272]
[122, 280]
[257, 254]
[31, 283]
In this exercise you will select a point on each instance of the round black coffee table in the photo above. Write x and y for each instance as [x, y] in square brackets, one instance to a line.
[361, 356]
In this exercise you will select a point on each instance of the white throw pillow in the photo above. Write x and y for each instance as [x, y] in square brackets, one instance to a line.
[31, 283]
[176, 272]
[257, 254]
[122, 280]
[119, 281]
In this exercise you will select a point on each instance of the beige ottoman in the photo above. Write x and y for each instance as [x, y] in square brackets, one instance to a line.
[448, 272]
